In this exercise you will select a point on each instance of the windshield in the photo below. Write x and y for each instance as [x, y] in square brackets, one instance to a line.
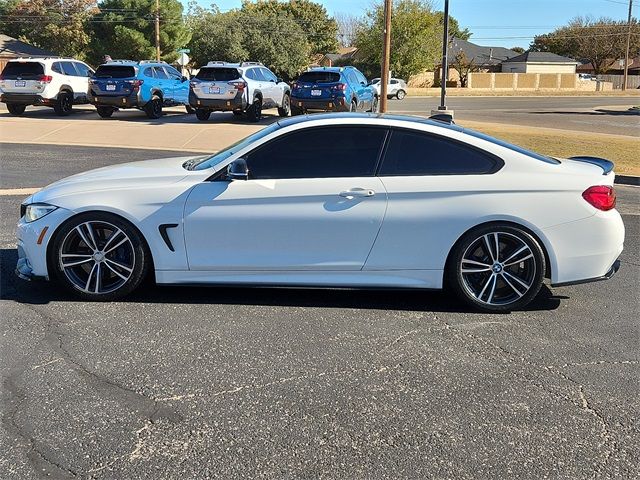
[115, 71]
[22, 69]
[222, 155]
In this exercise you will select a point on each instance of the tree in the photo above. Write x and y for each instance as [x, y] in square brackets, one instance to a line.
[596, 41]
[347, 28]
[416, 38]
[464, 66]
[60, 26]
[275, 39]
[125, 29]
[517, 49]
[454, 27]
[321, 31]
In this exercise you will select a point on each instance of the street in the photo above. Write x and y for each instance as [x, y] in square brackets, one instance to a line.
[192, 382]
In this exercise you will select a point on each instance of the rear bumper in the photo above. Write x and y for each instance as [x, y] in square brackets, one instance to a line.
[222, 105]
[329, 105]
[118, 101]
[610, 273]
[24, 99]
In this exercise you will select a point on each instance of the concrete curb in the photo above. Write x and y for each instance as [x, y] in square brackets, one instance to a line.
[627, 180]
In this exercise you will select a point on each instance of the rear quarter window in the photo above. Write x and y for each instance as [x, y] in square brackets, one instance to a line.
[414, 153]
[115, 71]
[218, 74]
[319, 77]
[14, 70]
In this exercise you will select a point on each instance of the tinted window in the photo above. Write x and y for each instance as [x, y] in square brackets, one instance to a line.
[23, 70]
[82, 69]
[266, 73]
[320, 77]
[394, 81]
[511, 146]
[173, 73]
[69, 69]
[360, 77]
[56, 67]
[322, 152]
[160, 73]
[351, 76]
[417, 153]
[148, 72]
[218, 74]
[115, 71]
[255, 74]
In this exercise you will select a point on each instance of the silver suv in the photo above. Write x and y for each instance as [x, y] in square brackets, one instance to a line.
[47, 81]
[242, 88]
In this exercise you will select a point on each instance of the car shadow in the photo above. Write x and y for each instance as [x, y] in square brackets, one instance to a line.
[42, 292]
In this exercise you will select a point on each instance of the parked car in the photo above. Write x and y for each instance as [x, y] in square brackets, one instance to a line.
[335, 200]
[147, 85]
[338, 89]
[48, 81]
[396, 88]
[242, 88]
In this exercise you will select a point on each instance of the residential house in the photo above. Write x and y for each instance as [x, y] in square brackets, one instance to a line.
[11, 48]
[539, 62]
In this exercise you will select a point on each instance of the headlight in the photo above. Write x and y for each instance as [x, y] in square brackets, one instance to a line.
[37, 210]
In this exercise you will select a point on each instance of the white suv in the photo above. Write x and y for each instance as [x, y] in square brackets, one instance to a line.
[242, 88]
[48, 81]
[396, 87]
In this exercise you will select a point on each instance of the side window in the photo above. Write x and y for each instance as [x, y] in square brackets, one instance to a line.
[173, 73]
[160, 73]
[56, 67]
[268, 75]
[323, 152]
[360, 77]
[83, 70]
[394, 81]
[148, 72]
[417, 153]
[255, 74]
[351, 76]
[69, 69]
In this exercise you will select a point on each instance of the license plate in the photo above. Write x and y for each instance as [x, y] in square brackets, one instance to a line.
[214, 89]
[21, 83]
[111, 87]
[316, 93]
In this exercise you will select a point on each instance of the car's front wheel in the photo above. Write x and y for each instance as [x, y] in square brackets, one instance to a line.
[16, 108]
[99, 256]
[496, 268]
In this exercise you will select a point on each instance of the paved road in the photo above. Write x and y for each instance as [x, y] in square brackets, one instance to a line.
[591, 114]
[183, 382]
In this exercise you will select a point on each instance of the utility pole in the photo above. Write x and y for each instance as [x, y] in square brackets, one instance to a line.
[158, 30]
[626, 55]
[386, 52]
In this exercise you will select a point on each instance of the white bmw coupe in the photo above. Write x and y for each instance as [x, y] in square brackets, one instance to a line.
[336, 200]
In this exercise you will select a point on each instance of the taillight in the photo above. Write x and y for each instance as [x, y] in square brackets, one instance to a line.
[601, 197]
[135, 84]
[340, 87]
[45, 78]
[238, 85]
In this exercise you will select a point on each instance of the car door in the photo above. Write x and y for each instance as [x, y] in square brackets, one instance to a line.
[312, 202]
[365, 92]
[72, 79]
[274, 91]
[258, 82]
[180, 89]
[163, 83]
[84, 72]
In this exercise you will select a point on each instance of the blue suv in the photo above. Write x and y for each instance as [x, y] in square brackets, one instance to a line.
[333, 89]
[145, 85]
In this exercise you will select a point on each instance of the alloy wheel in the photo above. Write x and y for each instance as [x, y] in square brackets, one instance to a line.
[97, 257]
[498, 268]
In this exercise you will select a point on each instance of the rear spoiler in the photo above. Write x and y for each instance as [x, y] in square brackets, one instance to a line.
[605, 165]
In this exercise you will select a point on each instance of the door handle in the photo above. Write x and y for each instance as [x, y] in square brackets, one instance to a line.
[357, 192]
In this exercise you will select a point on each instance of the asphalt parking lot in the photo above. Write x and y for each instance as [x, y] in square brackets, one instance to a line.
[190, 383]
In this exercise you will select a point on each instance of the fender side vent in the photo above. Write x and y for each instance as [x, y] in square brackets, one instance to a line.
[163, 233]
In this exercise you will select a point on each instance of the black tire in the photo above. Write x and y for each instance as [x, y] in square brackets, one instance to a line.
[202, 114]
[286, 106]
[494, 278]
[254, 112]
[296, 111]
[353, 106]
[401, 94]
[105, 112]
[238, 113]
[16, 108]
[190, 110]
[374, 105]
[120, 270]
[153, 108]
[64, 104]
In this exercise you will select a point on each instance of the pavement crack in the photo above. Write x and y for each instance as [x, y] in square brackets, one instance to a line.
[596, 362]
[398, 339]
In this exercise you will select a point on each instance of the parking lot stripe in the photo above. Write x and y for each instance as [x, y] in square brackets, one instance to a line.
[8, 192]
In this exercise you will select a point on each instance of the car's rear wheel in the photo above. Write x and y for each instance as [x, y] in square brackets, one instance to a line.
[496, 268]
[64, 104]
[286, 106]
[238, 113]
[374, 105]
[190, 110]
[105, 112]
[16, 108]
[401, 94]
[254, 112]
[202, 114]
[153, 108]
[99, 256]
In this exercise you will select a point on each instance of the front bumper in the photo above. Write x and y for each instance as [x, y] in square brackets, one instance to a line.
[117, 101]
[219, 105]
[330, 105]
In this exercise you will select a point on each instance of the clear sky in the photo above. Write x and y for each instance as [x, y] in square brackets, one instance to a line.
[504, 23]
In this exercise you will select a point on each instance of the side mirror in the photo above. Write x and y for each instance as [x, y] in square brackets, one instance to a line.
[364, 84]
[238, 170]
[279, 80]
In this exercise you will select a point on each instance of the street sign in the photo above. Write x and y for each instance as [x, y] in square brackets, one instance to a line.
[183, 59]
[184, 50]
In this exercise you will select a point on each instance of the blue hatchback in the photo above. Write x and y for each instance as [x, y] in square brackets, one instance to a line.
[333, 89]
[145, 85]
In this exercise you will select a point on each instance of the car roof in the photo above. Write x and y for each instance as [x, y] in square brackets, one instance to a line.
[328, 69]
[383, 118]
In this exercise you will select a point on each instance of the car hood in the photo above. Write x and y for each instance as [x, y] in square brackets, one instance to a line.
[147, 173]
